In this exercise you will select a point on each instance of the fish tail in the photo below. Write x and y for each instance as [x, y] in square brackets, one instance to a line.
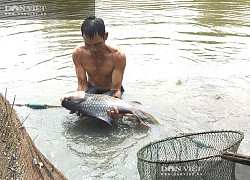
[139, 114]
[141, 117]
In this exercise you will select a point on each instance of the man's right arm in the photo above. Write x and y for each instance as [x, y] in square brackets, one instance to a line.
[80, 72]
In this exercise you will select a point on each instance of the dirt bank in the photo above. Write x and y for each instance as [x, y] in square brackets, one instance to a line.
[19, 157]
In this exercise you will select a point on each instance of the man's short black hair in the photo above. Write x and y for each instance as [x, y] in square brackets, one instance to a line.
[92, 25]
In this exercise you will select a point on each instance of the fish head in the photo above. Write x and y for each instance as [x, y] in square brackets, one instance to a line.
[70, 101]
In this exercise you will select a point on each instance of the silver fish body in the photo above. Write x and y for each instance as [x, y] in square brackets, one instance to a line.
[97, 105]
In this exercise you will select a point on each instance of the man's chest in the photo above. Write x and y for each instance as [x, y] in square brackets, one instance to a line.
[99, 66]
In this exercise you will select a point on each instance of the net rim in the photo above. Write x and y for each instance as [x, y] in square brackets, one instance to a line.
[139, 156]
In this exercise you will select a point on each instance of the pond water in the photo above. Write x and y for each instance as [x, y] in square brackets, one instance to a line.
[187, 63]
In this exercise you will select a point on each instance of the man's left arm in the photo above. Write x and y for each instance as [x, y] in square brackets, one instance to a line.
[117, 77]
[118, 72]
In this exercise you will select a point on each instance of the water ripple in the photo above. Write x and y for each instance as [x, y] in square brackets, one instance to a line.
[202, 43]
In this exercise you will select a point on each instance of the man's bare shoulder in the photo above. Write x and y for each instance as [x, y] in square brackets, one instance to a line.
[77, 53]
[78, 50]
[119, 54]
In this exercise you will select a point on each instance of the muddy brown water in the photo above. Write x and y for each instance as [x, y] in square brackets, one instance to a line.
[187, 63]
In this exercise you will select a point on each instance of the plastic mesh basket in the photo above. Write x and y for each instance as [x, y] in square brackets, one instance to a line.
[183, 157]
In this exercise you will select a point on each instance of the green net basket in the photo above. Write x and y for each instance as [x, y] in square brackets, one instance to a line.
[192, 156]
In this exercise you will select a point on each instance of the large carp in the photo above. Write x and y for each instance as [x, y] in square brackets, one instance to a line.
[97, 105]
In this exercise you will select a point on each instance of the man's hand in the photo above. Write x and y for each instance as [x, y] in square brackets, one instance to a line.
[114, 113]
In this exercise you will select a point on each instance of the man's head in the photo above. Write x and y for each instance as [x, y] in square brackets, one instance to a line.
[94, 34]
[92, 26]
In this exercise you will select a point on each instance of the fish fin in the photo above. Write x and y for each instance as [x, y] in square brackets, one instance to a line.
[124, 111]
[107, 119]
[151, 118]
[111, 92]
[140, 115]
[142, 122]
[94, 90]
[136, 112]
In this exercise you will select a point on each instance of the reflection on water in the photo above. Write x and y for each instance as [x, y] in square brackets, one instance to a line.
[222, 13]
[202, 44]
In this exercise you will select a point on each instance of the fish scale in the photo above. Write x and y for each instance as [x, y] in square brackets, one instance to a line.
[97, 105]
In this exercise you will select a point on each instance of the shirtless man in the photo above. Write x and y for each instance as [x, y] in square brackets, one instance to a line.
[98, 64]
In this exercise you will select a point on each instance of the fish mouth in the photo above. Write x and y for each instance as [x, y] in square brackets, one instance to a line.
[70, 101]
